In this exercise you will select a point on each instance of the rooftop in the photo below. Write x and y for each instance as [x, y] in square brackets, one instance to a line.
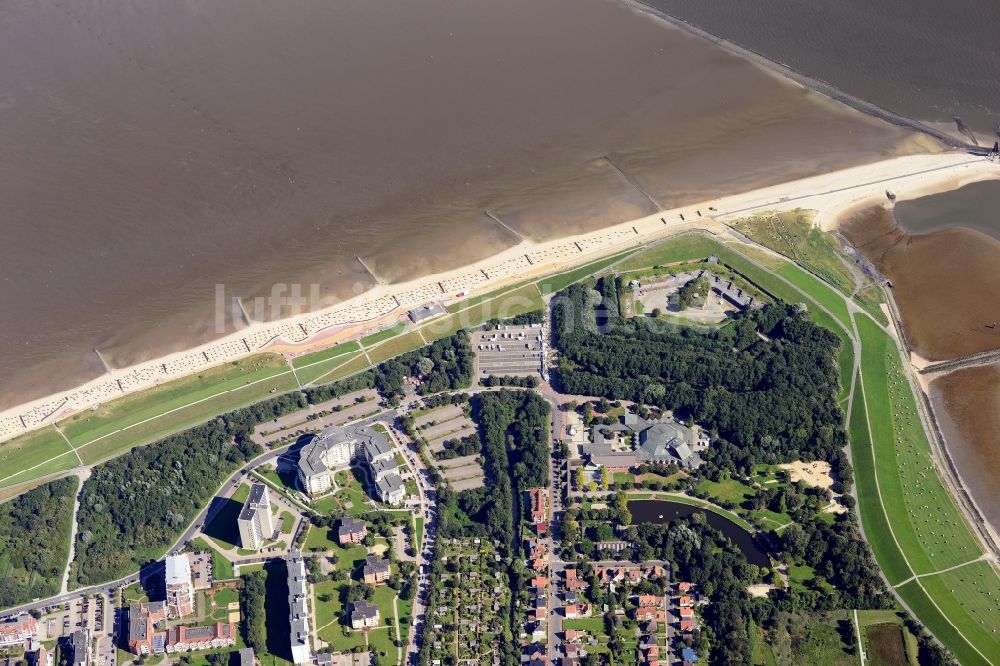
[178, 569]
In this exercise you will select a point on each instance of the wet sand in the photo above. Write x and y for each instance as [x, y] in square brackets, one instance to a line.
[154, 152]
[946, 283]
[967, 405]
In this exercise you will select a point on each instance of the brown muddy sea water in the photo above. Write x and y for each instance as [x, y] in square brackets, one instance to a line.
[945, 282]
[152, 150]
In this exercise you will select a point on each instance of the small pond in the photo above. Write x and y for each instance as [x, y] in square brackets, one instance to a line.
[665, 511]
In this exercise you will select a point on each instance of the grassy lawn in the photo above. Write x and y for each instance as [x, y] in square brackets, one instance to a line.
[382, 646]
[729, 490]
[418, 526]
[922, 606]
[925, 520]
[395, 347]
[551, 285]
[321, 369]
[287, 521]
[970, 597]
[334, 352]
[329, 611]
[507, 304]
[355, 365]
[34, 449]
[154, 413]
[226, 596]
[129, 410]
[819, 292]
[896, 478]
[683, 247]
[384, 334]
[823, 645]
[592, 625]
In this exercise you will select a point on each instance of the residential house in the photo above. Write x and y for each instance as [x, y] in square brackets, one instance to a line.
[351, 530]
[364, 615]
[376, 570]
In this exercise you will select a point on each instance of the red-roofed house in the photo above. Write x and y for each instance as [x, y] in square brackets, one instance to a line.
[17, 629]
[684, 587]
[539, 500]
[687, 626]
[686, 601]
[686, 612]
[650, 600]
[573, 635]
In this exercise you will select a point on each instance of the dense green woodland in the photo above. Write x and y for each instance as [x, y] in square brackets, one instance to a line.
[444, 365]
[132, 508]
[772, 398]
[34, 541]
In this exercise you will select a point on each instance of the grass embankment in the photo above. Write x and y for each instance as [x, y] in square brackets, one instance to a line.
[910, 519]
[148, 415]
[33, 455]
[310, 367]
[554, 283]
[383, 335]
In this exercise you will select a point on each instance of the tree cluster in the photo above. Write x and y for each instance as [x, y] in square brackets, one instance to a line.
[34, 541]
[252, 594]
[134, 506]
[774, 397]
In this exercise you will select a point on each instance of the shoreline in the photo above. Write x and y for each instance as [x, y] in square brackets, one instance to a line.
[922, 384]
[829, 194]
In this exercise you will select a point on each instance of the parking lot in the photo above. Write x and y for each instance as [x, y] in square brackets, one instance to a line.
[509, 350]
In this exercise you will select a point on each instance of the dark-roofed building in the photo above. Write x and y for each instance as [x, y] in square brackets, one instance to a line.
[351, 530]
[390, 489]
[634, 441]
[79, 648]
[247, 657]
[426, 312]
[364, 615]
[376, 570]
[141, 618]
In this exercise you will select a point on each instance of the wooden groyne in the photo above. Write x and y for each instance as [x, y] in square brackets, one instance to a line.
[979, 358]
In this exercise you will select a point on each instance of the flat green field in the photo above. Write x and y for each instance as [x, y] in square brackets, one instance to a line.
[34, 454]
[321, 371]
[970, 597]
[908, 515]
[926, 523]
[918, 601]
[148, 415]
[819, 292]
[333, 352]
[384, 334]
[395, 347]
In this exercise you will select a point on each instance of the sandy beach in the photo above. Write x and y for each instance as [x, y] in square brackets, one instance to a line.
[830, 194]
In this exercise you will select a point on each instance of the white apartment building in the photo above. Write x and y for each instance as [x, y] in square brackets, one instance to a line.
[180, 591]
[255, 520]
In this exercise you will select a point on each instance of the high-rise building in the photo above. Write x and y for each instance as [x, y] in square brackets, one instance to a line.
[180, 591]
[298, 605]
[254, 521]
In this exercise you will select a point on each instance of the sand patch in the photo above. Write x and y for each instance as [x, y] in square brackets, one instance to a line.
[811, 473]
[759, 590]
[379, 549]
